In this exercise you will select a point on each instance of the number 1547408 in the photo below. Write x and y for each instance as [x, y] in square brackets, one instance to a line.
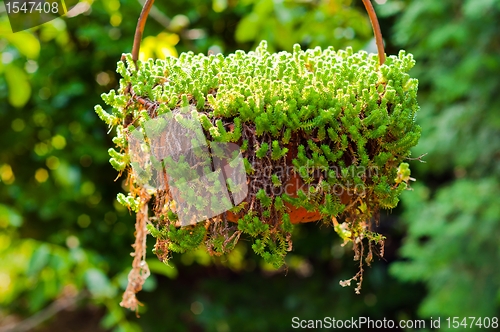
[472, 322]
[31, 7]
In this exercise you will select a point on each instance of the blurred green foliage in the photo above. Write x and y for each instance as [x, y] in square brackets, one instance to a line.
[454, 217]
[62, 232]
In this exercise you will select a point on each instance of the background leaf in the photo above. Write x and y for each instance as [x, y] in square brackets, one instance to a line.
[18, 84]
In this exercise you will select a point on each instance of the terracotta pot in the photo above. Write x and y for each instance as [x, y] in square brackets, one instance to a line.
[297, 215]
[294, 183]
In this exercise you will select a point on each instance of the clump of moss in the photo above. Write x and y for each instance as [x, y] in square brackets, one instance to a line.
[335, 120]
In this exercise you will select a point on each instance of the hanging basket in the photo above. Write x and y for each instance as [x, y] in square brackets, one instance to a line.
[251, 143]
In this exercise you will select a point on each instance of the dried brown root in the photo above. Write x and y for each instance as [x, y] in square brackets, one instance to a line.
[140, 270]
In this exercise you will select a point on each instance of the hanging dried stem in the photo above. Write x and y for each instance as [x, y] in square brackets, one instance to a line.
[140, 270]
[376, 30]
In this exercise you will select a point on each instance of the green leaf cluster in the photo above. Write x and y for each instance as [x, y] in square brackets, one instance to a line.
[268, 243]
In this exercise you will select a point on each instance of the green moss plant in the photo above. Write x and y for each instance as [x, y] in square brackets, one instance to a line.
[338, 120]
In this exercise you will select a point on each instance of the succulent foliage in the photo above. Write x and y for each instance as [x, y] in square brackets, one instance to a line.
[335, 120]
